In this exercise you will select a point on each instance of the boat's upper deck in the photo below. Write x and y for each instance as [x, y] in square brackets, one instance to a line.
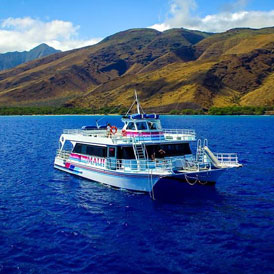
[138, 128]
[101, 136]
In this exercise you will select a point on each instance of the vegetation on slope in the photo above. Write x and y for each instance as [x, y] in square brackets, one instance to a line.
[58, 110]
[236, 110]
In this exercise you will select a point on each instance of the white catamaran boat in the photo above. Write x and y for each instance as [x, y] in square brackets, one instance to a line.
[140, 154]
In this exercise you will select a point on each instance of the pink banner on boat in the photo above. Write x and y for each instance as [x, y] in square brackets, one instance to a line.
[145, 134]
[88, 159]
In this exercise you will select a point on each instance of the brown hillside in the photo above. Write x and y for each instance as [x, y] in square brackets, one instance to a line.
[194, 84]
[174, 69]
[235, 41]
[55, 79]
[243, 72]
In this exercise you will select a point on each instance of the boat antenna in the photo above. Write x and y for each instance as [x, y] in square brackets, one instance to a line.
[97, 122]
[138, 106]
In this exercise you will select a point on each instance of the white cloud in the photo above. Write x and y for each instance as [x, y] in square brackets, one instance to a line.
[19, 34]
[181, 14]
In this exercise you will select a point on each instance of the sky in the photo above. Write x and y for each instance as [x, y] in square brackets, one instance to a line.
[69, 24]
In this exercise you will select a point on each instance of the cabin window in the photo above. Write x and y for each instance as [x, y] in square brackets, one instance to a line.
[131, 126]
[67, 146]
[96, 151]
[84, 149]
[90, 150]
[170, 150]
[154, 125]
[151, 125]
[111, 152]
[78, 148]
[125, 153]
[141, 125]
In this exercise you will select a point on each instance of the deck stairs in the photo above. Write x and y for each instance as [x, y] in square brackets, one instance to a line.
[140, 151]
[200, 152]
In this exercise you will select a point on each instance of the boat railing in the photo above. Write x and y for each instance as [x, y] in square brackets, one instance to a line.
[168, 135]
[119, 164]
[171, 164]
[180, 134]
[141, 165]
[227, 158]
[96, 132]
[190, 164]
[63, 154]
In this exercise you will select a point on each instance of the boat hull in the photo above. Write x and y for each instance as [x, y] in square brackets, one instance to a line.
[135, 181]
[130, 181]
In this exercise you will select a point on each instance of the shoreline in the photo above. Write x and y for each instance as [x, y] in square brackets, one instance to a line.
[107, 111]
[162, 114]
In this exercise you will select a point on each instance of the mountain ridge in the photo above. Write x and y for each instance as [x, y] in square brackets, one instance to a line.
[177, 68]
[9, 60]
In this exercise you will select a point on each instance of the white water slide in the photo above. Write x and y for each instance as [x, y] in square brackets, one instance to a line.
[222, 160]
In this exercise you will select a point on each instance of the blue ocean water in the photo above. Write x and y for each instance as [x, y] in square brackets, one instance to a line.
[52, 222]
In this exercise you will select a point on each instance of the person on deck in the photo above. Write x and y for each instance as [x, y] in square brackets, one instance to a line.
[108, 130]
[161, 153]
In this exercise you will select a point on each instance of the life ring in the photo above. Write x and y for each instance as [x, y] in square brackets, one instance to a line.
[113, 130]
[124, 133]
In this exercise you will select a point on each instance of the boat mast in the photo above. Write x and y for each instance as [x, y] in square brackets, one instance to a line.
[137, 102]
[138, 106]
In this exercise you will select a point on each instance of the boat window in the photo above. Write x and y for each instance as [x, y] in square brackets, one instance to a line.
[78, 148]
[141, 125]
[111, 152]
[125, 153]
[131, 126]
[170, 150]
[84, 149]
[153, 125]
[158, 125]
[67, 146]
[97, 151]
[90, 150]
